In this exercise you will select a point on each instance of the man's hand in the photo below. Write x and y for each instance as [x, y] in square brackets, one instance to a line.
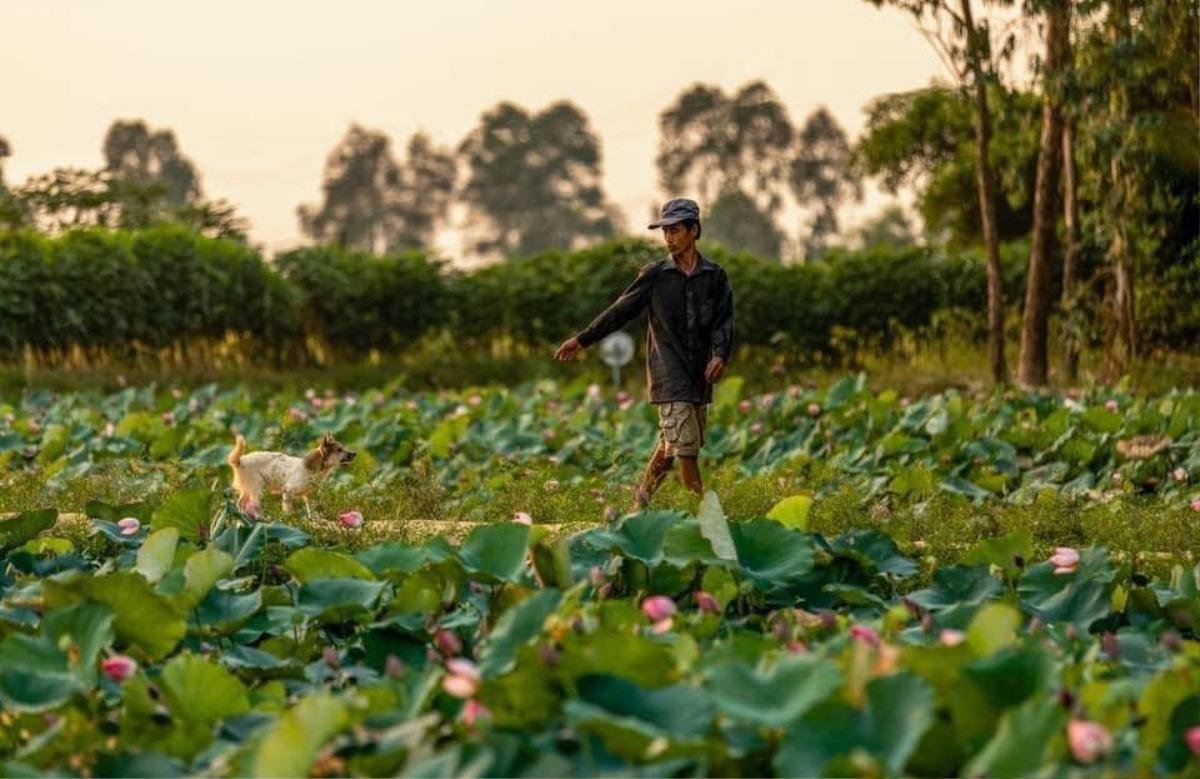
[715, 370]
[568, 349]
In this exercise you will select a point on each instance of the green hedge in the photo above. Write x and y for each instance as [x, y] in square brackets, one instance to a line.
[128, 292]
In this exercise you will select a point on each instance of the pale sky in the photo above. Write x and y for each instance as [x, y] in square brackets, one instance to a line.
[258, 92]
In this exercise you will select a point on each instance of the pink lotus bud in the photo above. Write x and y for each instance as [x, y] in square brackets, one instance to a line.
[951, 637]
[796, 647]
[330, 656]
[129, 525]
[551, 485]
[351, 519]
[905, 402]
[593, 391]
[662, 626]
[473, 711]
[1089, 741]
[121, 380]
[756, 428]
[393, 666]
[794, 391]
[461, 666]
[706, 602]
[1196, 504]
[168, 418]
[1112, 405]
[766, 401]
[297, 414]
[623, 396]
[251, 508]
[522, 518]
[109, 430]
[814, 410]
[1179, 474]
[596, 576]
[777, 369]
[460, 686]
[1192, 737]
[865, 634]
[1065, 560]
[474, 400]
[447, 642]
[745, 406]
[118, 667]
[658, 608]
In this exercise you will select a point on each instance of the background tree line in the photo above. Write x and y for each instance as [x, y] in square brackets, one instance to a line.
[1096, 169]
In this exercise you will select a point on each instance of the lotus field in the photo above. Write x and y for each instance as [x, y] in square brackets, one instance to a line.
[959, 584]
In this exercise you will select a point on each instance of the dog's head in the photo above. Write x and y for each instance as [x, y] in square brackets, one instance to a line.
[332, 453]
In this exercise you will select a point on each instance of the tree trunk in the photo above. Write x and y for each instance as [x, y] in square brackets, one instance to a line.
[1033, 369]
[1070, 296]
[987, 202]
[1121, 340]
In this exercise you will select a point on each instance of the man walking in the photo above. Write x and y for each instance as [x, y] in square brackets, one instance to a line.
[688, 342]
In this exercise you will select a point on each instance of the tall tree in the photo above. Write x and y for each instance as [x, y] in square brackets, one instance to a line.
[733, 153]
[1033, 364]
[967, 48]
[534, 181]
[372, 201]
[821, 176]
[134, 152]
[5, 153]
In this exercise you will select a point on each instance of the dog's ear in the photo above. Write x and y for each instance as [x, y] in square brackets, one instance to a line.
[326, 440]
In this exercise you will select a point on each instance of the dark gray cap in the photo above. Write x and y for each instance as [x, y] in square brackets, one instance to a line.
[675, 211]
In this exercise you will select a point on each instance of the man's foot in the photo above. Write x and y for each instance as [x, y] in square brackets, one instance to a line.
[641, 499]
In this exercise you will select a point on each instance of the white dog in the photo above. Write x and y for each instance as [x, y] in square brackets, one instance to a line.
[285, 474]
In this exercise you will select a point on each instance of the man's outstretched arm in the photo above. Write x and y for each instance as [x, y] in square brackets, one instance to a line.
[722, 336]
[632, 302]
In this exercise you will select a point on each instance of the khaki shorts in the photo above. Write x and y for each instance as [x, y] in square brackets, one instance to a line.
[681, 428]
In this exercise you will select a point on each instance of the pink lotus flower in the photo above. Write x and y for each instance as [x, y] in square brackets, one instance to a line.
[706, 602]
[658, 608]
[297, 414]
[118, 667]
[472, 712]
[951, 637]
[596, 576]
[745, 406]
[462, 680]
[351, 519]
[522, 518]
[1065, 560]
[129, 525]
[1195, 504]
[1192, 737]
[814, 410]
[1112, 405]
[1089, 741]
[474, 400]
[447, 642]
[865, 634]
[1179, 474]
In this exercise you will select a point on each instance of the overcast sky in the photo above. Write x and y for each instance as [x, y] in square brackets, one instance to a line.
[259, 92]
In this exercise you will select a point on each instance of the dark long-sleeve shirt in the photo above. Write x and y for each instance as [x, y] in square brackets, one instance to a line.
[690, 320]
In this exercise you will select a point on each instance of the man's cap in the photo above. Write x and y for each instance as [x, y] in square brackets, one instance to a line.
[675, 211]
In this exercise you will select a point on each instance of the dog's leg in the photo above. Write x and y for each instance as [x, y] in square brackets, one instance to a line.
[307, 508]
[287, 503]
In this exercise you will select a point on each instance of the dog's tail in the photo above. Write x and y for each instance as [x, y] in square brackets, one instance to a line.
[235, 457]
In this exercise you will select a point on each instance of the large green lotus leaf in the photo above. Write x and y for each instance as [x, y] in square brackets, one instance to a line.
[1019, 747]
[642, 660]
[201, 573]
[247, 545]
[899, 710]
[188, 512]
[715, 527]
[43, 672]
[1012, 675]
[315, 563]
[1101, 420]
[143, 617]
[398, 557]
[638, 536]
[685, 544]
[552, 561]
[517, 625]
[289, 747]
[957, 585]
[628, 719]
[993, 628]
[198, 693]
[1003, 551]
[156, 553]
[338, 600]
[874, 551]
[525, 697]
[141, 510]
[770, 553]
[140, 765]
[792, 511]
[1078, 598]
[16, 530]
[496, 550]
[774, 697]
[223, 611]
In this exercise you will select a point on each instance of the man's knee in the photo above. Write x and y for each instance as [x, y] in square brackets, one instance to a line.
[689, 472]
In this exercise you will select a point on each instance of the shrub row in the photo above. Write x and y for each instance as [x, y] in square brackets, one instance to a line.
[122, 291]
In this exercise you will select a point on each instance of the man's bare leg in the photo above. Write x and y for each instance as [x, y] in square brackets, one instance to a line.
[689, 473]
[656, 472]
